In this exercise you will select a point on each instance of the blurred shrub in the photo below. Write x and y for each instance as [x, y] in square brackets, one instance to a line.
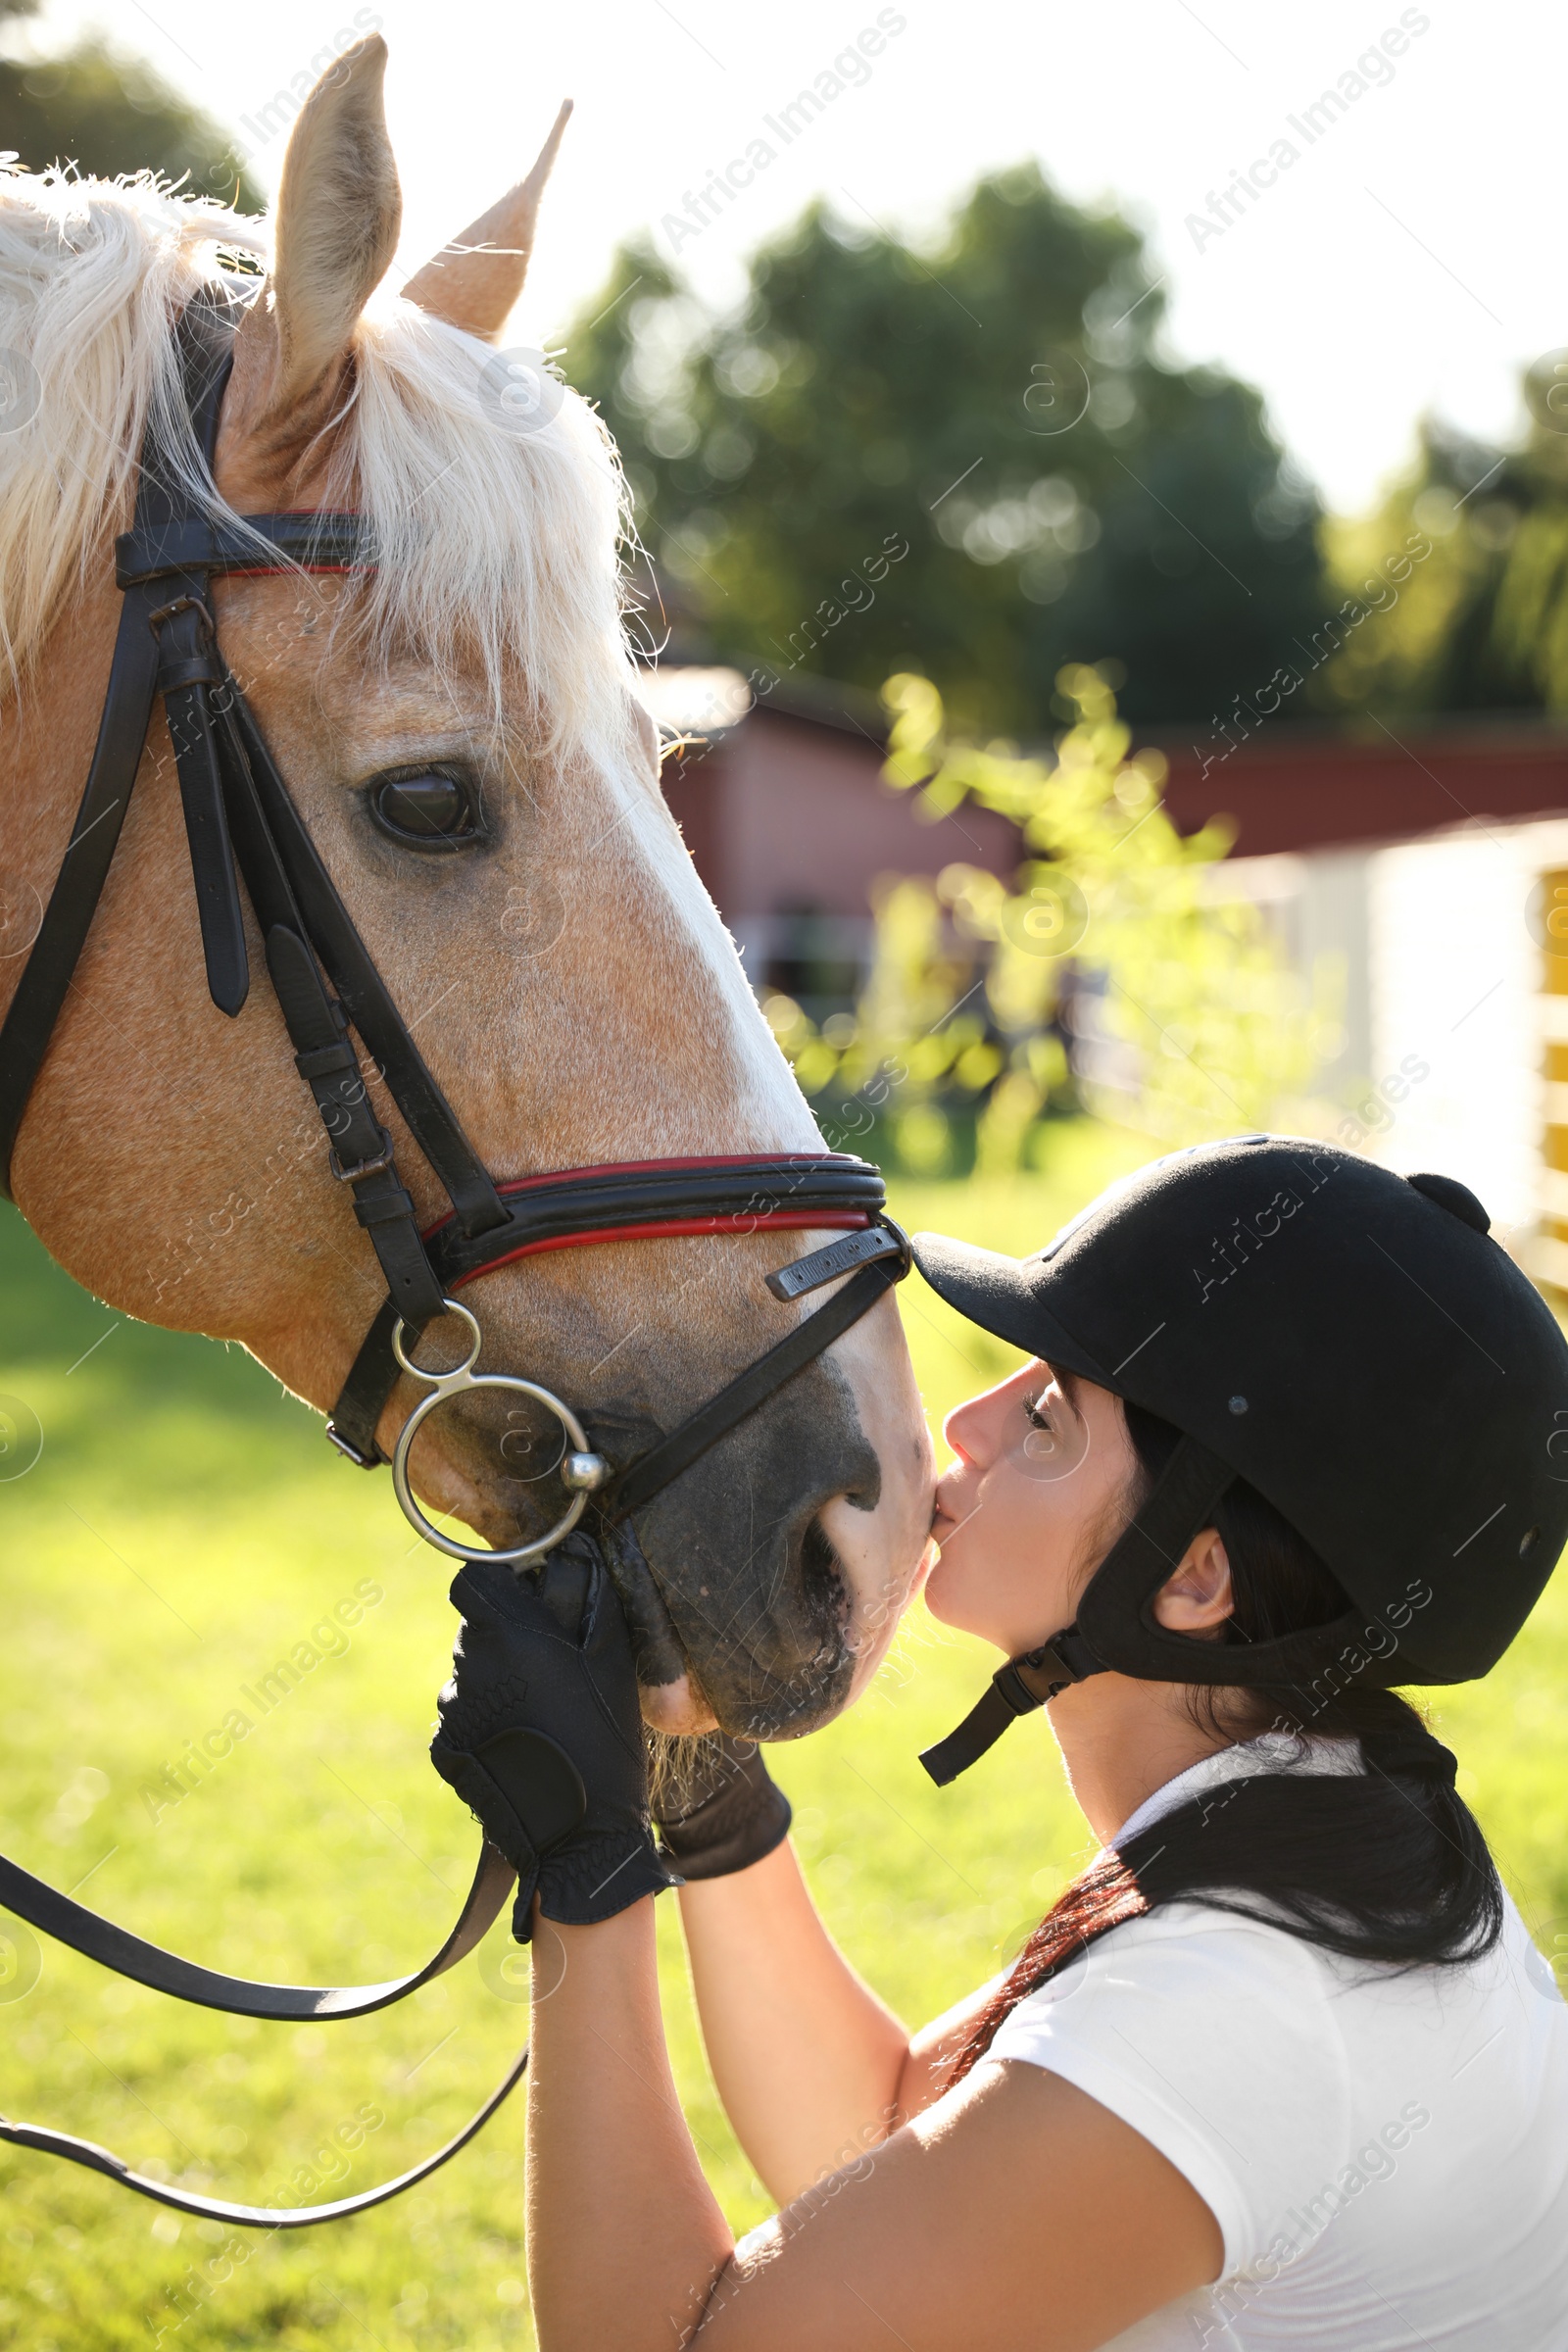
[1113, 972]
[106, 112]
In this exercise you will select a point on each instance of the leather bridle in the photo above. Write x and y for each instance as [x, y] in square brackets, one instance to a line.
[241, 822]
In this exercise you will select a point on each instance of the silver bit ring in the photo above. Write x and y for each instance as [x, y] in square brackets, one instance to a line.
[581, 1470]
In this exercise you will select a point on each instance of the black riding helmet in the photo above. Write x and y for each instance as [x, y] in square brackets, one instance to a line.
[1351, 1343]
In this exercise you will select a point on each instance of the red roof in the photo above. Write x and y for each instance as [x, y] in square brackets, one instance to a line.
[1312, 788]
[787, 810]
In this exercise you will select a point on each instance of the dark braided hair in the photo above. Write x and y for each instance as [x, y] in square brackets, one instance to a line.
[1388, 1866]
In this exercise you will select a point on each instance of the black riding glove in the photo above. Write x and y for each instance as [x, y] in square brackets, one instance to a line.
[540, 1735]
[725, 1813]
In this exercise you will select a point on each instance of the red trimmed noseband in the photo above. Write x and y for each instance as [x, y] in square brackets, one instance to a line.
[656, 1200]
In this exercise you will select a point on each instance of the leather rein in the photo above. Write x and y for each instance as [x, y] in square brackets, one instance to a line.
[242, 825]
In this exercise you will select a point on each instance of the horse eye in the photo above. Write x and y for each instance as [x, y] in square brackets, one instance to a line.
[429, 812]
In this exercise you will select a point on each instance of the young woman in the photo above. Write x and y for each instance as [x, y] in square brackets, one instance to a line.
[1283, 2068]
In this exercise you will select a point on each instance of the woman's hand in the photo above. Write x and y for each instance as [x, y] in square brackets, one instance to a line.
[726, 1813]
[540, 1735]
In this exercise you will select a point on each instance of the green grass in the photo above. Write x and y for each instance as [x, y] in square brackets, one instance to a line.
[183, 1529]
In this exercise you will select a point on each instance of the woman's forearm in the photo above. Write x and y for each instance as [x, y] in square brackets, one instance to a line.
[624, 2237]
[806, 2059]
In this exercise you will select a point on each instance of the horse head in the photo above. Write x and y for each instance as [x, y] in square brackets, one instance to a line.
[459, 730]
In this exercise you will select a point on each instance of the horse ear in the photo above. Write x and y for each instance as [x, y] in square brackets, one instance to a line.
[339, 208]
[475, 281]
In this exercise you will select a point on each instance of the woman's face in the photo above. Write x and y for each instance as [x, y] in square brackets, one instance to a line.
[1031, 1505]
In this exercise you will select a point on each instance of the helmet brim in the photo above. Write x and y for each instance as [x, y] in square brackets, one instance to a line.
[1008, 1297]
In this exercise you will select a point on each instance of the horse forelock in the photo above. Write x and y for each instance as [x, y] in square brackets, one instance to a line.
[500, 545]
[92, 273]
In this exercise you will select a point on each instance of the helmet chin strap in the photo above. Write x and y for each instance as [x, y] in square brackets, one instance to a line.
[1116, 1629]
[1016, 1689]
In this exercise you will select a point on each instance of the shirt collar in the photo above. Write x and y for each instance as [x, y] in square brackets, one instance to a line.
[1308, 1752]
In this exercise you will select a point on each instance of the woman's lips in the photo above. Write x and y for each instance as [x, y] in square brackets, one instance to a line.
[942, 1521]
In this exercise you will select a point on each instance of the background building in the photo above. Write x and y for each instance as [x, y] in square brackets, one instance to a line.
[792, 828]
[1421, 876]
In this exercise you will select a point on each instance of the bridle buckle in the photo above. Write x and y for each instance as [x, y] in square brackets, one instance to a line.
[350, 1451]
[362, 1167]
[182, 604]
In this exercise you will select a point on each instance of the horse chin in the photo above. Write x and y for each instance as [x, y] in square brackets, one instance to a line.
[447, 1486]
[676, 1708]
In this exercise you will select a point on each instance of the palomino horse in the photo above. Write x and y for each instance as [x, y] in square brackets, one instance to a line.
[568, 978]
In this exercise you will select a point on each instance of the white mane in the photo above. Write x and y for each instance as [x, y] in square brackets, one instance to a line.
[497, 544]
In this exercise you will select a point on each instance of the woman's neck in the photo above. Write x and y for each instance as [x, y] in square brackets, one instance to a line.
[1121, 1739]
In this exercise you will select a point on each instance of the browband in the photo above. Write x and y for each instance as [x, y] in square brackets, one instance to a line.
[316, 541]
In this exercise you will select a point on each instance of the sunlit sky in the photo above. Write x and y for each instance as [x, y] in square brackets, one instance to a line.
[1411, 257]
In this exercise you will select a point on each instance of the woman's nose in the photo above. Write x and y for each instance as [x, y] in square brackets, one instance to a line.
[962, 1431]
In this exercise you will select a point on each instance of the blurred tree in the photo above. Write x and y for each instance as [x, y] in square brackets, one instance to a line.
[1482, 621]
[632, 352]
[109, 115]
[1112, 924]
[971, 461]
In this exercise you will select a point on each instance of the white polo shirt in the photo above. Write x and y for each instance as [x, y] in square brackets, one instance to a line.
[1386, 2154]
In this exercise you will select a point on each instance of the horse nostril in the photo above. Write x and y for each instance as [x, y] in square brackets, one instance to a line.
[822, 1572]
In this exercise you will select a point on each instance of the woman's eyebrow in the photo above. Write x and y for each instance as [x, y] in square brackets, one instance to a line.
[1069, 1385]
